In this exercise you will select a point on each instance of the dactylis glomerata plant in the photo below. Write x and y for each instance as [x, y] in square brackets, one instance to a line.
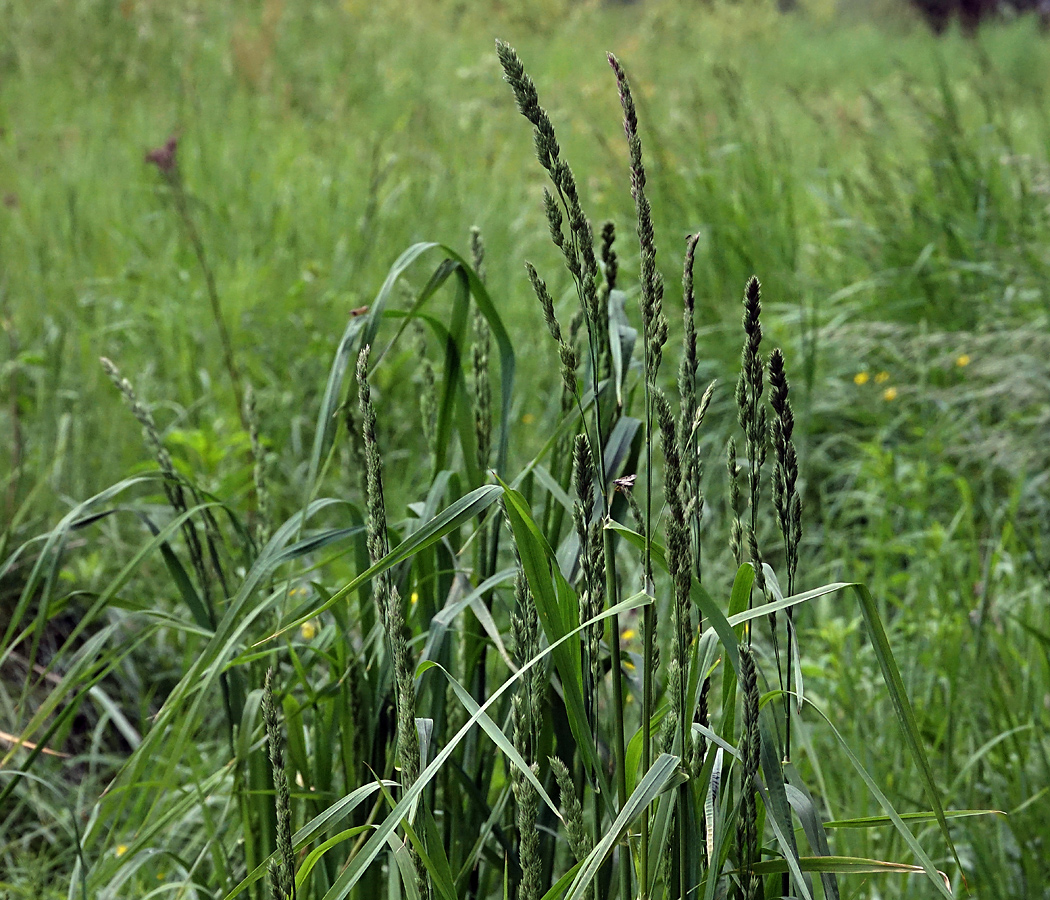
[457, 706]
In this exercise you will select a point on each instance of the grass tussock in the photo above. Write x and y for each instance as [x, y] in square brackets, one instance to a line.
[494, 608]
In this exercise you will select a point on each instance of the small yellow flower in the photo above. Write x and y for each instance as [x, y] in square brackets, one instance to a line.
[962, 360]
[861, 378]
[528, 419]
[889, 394]
[415, 597]
[882, 377]
[308, 630]
[627, 664]
[121, 849]
[627, 634]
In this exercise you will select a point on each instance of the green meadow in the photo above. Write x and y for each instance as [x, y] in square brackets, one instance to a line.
[378, 521]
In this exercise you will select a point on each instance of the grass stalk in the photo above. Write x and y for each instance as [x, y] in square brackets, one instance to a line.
[166, 161]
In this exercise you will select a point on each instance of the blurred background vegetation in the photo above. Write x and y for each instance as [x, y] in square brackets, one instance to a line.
[890, 188]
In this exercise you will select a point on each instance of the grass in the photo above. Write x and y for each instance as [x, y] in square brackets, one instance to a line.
[890, 191]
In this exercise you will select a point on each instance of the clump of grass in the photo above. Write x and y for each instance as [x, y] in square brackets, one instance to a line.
[406, 662]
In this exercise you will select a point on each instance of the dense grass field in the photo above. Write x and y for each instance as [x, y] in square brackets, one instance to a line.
[891, 191]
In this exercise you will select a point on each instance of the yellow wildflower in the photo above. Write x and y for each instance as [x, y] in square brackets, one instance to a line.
[861, 378]
[889, 394]
[627, 634]
[122, 849]
[528, 419]
[415, 597]
[882, 377]
[308, 630]
[962, 360]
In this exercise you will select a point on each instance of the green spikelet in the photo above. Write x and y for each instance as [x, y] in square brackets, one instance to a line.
[654, 324]
[736, 533]
[481, 382]
[576, 832]
[173, 489]
[592, 585]
[610, 264]
[566, 352]
[578, 246]
[527, 802]
[752, 415]
[786, 501]
[752, 418]
[678, 554]
[388, 600]
[428, 401]
[282, 871]
[747, 824]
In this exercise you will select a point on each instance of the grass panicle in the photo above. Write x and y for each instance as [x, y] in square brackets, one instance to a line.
[566, 352]
[610, 263]
[428, 398]
[747, 824]
[387, 597]
[654, 324]
[786, 501]
[592, 584]
[173, 488]
[578, 245]
[576, 833]
[282, 869]
[480, 349]
[736, 529]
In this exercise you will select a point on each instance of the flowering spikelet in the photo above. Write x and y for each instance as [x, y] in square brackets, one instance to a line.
[752, 418]
[527, 802]
[736, 533]
[172, 483]
[654, 325]
[678, 556]
[480, 347]
[678, 559]
[610, 264]
[482, 389]
[747, 826]
[428, 402]
[282, 873]
[786, 500]
[691, 415]
[481, 396]
[687, 367]
[578, 247]
[566, 353]
[525, 713]
[592, 584]
[525, 628]
[387, 597]
[579, 838]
